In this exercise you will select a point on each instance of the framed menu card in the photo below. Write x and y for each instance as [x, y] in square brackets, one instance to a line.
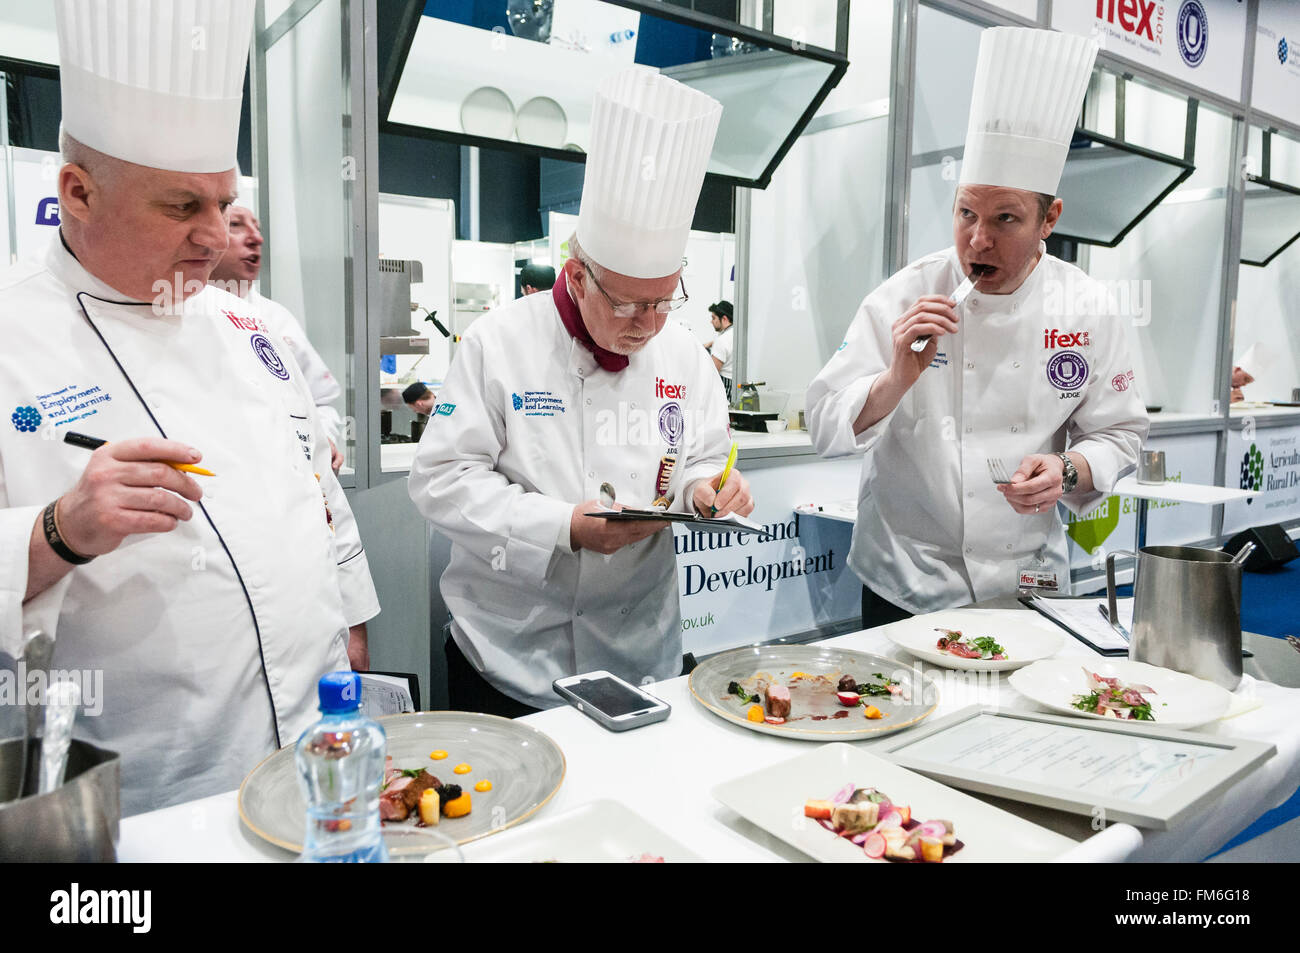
[1139, 774]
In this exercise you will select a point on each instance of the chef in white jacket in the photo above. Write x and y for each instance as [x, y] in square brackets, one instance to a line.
[236, 273]
[210, 605]
[1032, 370]
[557, 393]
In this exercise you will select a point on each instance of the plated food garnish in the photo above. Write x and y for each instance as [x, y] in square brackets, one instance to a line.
[1112, 699]
[414, 792]
[980, 647]
[883, 829]
[814, 697]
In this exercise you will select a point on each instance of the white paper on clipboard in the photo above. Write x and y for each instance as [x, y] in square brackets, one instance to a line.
[384, 695]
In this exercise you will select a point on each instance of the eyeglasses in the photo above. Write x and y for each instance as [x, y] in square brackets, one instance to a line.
[628, 309]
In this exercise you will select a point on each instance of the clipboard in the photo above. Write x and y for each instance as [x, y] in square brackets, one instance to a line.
[1031, 602]
[716, 524]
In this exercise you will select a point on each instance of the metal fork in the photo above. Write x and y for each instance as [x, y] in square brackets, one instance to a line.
[997, 471]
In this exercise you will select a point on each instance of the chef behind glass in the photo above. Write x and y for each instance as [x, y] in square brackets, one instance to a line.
[1002, 380]
[557, 393]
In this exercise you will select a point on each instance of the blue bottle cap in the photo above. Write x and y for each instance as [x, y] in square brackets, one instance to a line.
[339, 692]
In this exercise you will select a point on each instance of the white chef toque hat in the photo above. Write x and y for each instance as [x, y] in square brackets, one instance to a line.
[157, 84]
[1029, 88]
[651, 138]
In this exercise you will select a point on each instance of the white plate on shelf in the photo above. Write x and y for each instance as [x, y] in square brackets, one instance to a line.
[541, 122]
[773, 798]
[601, 832]
[1026, 640]
[1177, 700]
[488, 112]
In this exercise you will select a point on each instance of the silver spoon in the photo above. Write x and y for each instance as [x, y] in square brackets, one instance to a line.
[61, 703]
[37, 651]
[1243, 554]
[607, 496]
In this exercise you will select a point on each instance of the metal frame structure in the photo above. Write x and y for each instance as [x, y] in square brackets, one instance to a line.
[834, 58]
[1281, 187]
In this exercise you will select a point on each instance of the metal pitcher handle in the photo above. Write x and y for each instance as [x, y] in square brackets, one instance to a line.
[1111, 605]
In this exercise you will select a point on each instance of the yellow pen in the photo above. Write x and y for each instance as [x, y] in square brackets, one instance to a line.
[726, 471]
[94, 443]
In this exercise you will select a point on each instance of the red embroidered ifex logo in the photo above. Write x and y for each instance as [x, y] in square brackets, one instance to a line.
[1053, 338]
[1133, 16]
[1121, 382]
[669, 391]
[244, 323]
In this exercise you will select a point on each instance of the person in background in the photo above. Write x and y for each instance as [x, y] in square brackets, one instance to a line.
[1240, 378]
[419, 398]
[210, 606]
[236, 272]
[534, 278]
[1018, 386]
[554, 395]
[723, 349]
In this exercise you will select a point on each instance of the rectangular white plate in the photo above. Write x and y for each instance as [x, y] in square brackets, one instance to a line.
[602, 832]
[773, 798]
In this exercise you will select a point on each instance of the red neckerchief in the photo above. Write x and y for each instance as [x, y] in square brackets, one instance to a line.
[573, 323]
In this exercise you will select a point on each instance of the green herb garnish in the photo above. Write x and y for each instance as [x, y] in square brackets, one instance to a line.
[877, 690]
[735, 688]
[412, 772]
[987, 645]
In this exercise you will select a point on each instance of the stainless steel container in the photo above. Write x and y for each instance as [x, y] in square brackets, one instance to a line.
[1151, 466]
[75, 823]
[1186, 611]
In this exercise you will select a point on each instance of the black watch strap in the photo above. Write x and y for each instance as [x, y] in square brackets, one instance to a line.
[52, 536]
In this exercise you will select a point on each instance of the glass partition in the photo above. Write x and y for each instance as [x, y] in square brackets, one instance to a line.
[305, 157]
[525, 73]
[1266, 340]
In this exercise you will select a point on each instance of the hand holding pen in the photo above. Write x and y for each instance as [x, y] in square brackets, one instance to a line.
[728, 492]
[128, 487]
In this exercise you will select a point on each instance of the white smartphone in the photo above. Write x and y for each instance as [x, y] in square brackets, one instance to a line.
[610, 701]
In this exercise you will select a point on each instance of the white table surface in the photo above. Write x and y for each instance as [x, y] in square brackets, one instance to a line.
[665, 772]
[1181, 492]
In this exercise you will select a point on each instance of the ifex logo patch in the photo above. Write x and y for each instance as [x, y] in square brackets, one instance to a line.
[1134, 16]
[669, 391]
[1054, 339]
[244, 322]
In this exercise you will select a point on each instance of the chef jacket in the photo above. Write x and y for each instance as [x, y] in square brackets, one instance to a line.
[324, 386]
[1024, 372]
[723, 350]
[210, 638]
[527, 426]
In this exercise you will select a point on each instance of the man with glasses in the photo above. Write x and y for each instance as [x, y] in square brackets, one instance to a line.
[556, 400]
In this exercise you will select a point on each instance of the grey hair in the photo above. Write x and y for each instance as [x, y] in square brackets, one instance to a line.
[102, 168]
[576, 251]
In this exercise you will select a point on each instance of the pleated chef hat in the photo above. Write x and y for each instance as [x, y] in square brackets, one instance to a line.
[651, 138]
[155, 82]
[1029, 87]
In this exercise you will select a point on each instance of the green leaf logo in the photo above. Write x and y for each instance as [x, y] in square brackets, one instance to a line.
[1252, 470]
[1090, 531]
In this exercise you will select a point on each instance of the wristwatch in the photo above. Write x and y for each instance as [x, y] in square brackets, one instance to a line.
[1069, 478]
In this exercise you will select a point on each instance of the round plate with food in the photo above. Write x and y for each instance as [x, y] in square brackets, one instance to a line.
[977, 640]
[812, 692]
[1119, 689]
[491, 773]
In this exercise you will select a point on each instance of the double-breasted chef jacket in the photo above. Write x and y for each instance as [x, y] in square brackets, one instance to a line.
[527, 426]
[1039, 370]
[210, 638]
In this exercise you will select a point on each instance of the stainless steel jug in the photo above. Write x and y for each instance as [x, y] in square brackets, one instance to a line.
[77, 822]
[1186, 611]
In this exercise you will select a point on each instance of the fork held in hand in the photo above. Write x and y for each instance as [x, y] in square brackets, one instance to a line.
[997, 471]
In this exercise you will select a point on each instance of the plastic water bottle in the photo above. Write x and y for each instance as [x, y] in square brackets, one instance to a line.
[340, 769]
[622, 36]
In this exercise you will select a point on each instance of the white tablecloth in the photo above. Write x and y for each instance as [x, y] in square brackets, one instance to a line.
[665, 772]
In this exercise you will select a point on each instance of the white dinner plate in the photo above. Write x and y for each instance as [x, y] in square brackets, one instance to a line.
[773, 799]
[488, 112]
[1177, 700]
[1026, 640]
[541, 122]
[601, 832]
